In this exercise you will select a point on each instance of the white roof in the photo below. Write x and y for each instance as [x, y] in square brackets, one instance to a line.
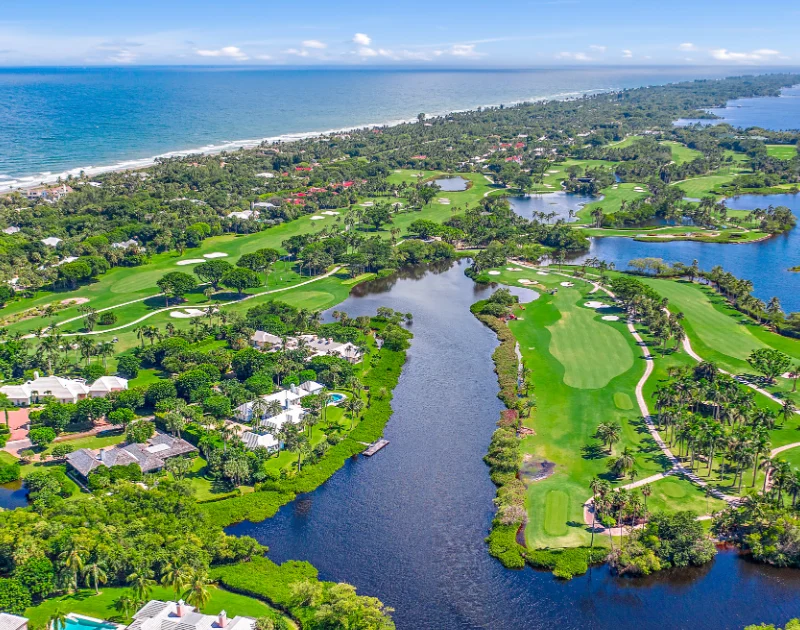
[66, 260]
[264, 204]
[125, 244]
[11, 229]
[12, 622]
[61, 388]
[109, 383]
[260, 336]
[156, 615]
[265, 175]
[51, 241]
[243, 214]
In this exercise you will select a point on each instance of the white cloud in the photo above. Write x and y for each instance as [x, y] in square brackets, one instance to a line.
[687, 46]
[361, 39]
[314, 43]
[366, 51]
[762, 54]
[575, 56]
[123, 56]
[464, 50]
[296, 51]
[264, 57]
[597, 48]
[627, 54]
[230, 52]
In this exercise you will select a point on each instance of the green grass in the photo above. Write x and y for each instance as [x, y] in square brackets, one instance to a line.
[674, 494]
[623, 401]
[578, 329]
[681, 153]
[612, 200]
[567, 417]
[101, 606]
[782, 151]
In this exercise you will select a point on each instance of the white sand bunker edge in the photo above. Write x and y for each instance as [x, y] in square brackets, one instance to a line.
[190, 261]
[189, 313]
[215, 255]
[595, 304]
[610, 318]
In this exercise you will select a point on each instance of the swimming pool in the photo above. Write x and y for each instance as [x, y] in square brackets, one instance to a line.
[78, 622]
[336, 398]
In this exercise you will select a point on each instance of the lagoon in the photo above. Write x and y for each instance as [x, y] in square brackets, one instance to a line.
[451, 184]
[564, 205]
[765, 263]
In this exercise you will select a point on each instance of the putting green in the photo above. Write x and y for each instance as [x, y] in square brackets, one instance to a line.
[591, 351]
[623, 401]
[556, 512]
[672, 488]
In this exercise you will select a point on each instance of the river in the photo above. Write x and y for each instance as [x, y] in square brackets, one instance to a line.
[408, 524]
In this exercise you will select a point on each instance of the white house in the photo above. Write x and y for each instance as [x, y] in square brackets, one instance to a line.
[51, 241]
[12, 622]
[104, 385]
[157, 615]
[245, 215]
[125, 244]
[64, 390]
[11, 229]
[266, 341]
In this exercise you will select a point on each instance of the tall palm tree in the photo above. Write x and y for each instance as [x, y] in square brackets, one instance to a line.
[95, 575]
[58, 620]
[142, 583]
[647, 490]
[176, 577]
[73, 561]
[596, 486]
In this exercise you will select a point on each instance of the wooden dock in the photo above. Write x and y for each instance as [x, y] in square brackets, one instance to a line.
[375, 447]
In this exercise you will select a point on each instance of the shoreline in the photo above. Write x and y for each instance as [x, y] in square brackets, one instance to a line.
[12, 183]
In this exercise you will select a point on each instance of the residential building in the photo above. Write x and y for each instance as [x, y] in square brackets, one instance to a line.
[104, 385]
[157, 615]
[126, 244]
[11, 229]
[150, 456]
[12, 622]
[51, 241]
[315, 346]
[63, 390]
[48, 194]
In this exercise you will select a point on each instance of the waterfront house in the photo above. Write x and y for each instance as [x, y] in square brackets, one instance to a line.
[266, 341]
[313, 345]
[150, 456]
[158, 615]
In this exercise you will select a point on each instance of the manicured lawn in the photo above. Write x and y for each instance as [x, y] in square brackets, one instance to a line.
[101, 606]
[7, 458]
[699, 187]
[681, 153]
[612, 200]
[675, 494]
[603, 364]
[782, 151]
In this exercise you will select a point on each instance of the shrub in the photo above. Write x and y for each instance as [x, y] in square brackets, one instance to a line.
[14, 597]
[107, 318]
[9, 472]
[93, 371]
[128, 366]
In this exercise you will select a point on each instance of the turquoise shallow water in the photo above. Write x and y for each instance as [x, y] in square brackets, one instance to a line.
[55, 121]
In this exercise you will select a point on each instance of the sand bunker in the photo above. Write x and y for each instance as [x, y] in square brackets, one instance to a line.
[542, 273]
[189, 313]
[75, 301]
[190, 261]
[556, 171]
[444, 201]
[595, 304]
[330, 213]
[494, 273]
[316, 217]
[367, 204]
[525, 281]
[610, 318]
[567, 284]
[215, 255]
[513, 269]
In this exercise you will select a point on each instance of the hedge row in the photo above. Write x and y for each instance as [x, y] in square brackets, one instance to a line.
[270, 496]
[566, 563]
[506, 365]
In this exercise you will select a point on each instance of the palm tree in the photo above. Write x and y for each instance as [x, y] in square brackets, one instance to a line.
[175, 577]
[596, 486]
[646, 492]
[95, 575]
[354, 406]
[142, 583]
[609, 433]
[73, 561]
[58, 620]
[6, 405]
[623, 463]
[198, 593]
[125, 604]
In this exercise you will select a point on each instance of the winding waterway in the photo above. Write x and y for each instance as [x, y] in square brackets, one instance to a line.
[408, 525]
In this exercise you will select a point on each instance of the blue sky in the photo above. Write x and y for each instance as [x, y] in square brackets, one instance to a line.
[437, 33]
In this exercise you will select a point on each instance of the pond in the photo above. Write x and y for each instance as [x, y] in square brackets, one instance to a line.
[13, 495]
[555, 205]
[765, 263]
[408, 524]
[452, 184]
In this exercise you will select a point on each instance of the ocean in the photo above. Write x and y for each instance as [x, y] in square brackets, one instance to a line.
[54, 122]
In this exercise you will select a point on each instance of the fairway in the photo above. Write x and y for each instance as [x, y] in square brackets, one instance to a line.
[715, 329]
[591, 351]
[612, 200]
[782, 151]
[681, 153]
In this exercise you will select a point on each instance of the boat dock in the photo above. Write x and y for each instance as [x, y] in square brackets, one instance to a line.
[375, 447]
